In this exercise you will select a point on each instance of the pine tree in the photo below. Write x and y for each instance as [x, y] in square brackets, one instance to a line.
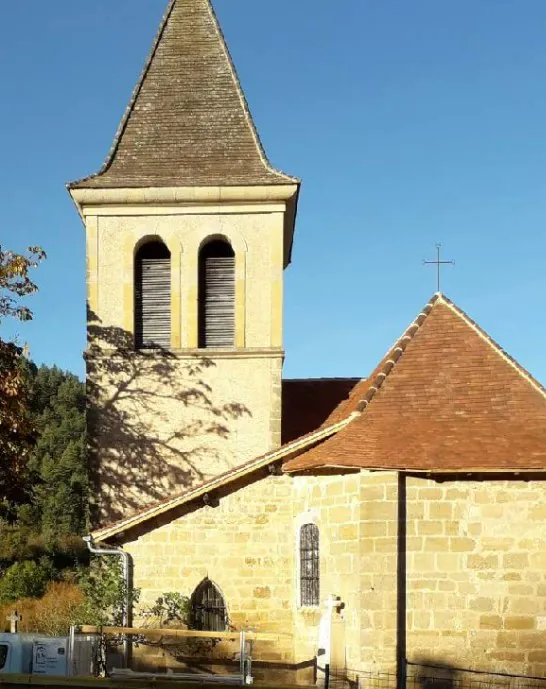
[58, 460]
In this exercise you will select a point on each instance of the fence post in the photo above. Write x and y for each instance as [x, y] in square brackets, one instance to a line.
[242, 658]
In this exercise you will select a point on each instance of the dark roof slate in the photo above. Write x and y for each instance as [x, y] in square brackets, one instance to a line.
[188, 123]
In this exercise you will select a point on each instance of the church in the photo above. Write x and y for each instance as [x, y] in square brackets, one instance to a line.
[374, 523]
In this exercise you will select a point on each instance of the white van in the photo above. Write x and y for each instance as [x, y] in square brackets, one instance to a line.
[59, 656]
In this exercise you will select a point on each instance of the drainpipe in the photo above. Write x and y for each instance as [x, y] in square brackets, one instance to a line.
[126, 574]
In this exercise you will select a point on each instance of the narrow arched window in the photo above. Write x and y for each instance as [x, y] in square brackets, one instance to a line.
[208, 608]
[309, 565]
[216, 295]
[153, 296]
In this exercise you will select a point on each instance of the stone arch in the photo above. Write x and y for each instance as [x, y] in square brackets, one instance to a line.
[234, 238]
[216, 293]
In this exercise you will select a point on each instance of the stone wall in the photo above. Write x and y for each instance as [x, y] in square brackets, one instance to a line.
[248, 546]
[245, 546]
[333, 504]
[477, 574]
[161, 423]
[475, 568]
[378, 571]
[257, 240]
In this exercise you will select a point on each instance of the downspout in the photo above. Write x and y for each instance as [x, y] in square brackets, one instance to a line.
[401, 586]
[126, 574]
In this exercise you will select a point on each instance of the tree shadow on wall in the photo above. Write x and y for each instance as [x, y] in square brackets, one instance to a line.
[152, 423]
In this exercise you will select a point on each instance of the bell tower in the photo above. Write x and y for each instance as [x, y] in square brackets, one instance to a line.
[188, 229]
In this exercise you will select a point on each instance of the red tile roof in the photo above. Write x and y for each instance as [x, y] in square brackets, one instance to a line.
[445, 398]
[308, 403]
[188, 123]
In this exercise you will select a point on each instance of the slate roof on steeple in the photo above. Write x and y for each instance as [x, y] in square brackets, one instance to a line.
[188, 123]
[445, 398]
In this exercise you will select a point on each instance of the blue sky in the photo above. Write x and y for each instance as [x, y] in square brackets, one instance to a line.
[409, 123]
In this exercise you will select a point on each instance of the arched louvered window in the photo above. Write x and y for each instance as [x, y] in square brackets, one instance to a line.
[309, 565]
[208, 608]
[153, 296]
[216, 295]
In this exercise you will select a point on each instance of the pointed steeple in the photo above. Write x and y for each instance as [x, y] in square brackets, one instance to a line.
[188, 123]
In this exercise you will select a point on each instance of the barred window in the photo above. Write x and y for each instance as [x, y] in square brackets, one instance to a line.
[208, 608]
[309, 565]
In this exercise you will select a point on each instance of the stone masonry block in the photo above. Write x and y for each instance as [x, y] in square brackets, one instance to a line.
[515, 560]
[519, 622]
[491, 622]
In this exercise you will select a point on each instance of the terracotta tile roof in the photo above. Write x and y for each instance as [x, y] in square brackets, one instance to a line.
[308, 403]
[445, 398]
[188, 123]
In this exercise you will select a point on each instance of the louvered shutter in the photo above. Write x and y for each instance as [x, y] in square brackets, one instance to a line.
[217, 296]
[153, 297]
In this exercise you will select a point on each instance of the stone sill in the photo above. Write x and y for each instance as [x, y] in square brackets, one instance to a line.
[223, 353]
[310, 611]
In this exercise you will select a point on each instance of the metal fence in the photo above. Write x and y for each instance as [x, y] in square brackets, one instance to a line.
[428, 677]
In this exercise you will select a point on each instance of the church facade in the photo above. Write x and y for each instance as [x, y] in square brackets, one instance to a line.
[370, 523]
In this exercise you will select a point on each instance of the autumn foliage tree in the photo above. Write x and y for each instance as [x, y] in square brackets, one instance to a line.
[15, 429]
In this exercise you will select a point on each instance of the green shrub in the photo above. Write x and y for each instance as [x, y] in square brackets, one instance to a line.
[26, 579]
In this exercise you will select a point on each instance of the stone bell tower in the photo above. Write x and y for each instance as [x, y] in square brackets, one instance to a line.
[188, 229]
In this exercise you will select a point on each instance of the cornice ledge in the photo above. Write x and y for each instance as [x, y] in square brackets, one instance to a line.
[183, 195]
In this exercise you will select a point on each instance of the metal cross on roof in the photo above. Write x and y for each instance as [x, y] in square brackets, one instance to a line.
[438, 263]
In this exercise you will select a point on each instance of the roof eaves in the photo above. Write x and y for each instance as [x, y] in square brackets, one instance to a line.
[224, 479]
[434, 470]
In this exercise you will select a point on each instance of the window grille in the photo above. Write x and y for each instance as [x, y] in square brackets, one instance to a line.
[153, 296]
[208, 608]
[216, 295]
[309, 565]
